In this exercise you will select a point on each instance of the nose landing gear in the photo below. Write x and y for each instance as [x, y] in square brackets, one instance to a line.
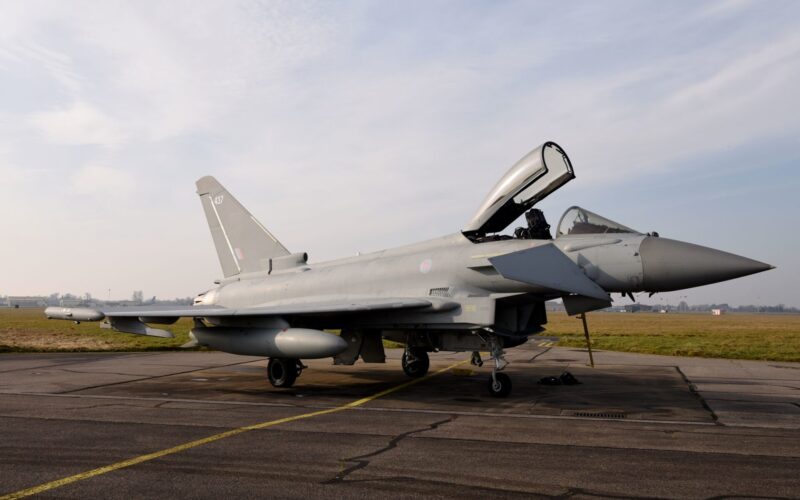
[499, 383]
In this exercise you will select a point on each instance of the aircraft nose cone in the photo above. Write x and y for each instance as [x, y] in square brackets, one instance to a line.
[673, 265]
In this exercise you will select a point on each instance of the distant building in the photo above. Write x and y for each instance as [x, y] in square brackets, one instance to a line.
[73, 302]
[26, 301]
[717, 312]
[638, 307]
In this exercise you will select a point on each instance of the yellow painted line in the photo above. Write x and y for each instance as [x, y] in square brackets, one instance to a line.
[210, 439]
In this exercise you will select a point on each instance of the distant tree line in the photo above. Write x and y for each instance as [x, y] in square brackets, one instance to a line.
[86, 299]
[684, 307]
[780, 308]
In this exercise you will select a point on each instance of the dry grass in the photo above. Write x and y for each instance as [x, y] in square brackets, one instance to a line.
[27, 330]
[740, 336]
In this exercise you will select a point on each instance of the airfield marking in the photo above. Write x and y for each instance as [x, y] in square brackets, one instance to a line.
[35, 490]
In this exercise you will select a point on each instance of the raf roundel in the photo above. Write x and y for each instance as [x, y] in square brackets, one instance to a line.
[425, 266]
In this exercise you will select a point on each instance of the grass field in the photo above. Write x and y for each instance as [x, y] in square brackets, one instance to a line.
[739, 336]
[773, 337]
[27, 330]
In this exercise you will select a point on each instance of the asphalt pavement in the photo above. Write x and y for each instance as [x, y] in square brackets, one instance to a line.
[209, 425]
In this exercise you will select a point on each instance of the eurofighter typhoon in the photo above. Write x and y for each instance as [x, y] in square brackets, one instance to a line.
[471, 291]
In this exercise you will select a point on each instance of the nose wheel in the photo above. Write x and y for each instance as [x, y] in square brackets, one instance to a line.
[283, 372]
[499, 385]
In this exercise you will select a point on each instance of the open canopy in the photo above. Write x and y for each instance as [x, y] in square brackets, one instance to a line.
[529, 181]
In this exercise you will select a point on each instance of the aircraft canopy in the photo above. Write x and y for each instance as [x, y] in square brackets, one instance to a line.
[577, 220]
[528, 182]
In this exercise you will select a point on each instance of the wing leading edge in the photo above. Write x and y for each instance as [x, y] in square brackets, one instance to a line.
[133, 319]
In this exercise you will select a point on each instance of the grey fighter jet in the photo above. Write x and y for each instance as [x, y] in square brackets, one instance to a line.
[471, 291]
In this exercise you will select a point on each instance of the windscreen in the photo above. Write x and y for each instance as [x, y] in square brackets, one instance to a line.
[577, 220]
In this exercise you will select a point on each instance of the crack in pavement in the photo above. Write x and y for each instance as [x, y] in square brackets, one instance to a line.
[83, 360]
[696, 393]
[150, 377]
[500, 491]
[82, 372]
[361, 461]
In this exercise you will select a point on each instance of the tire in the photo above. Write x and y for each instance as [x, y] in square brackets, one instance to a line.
[282, 372]
[419, 367]
[502, 387]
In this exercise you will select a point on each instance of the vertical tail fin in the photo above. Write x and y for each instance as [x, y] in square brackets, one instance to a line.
[243, 244]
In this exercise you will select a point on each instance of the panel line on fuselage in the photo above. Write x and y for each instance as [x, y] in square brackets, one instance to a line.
[225, 234]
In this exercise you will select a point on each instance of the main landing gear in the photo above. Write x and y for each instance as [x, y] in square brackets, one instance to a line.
[415, 362]
[282, 372]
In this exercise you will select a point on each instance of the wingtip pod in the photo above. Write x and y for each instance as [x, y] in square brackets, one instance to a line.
[74, 313]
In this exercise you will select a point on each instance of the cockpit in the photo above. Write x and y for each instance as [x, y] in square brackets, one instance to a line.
[577, 220]
[530, 180]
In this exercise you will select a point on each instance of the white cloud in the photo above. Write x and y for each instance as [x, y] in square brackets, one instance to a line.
[391, 120]
[77, 124]
[103, 181]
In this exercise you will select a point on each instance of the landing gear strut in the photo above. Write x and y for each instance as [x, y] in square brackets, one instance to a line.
[415, 362]
[499, 383]
[282, 372]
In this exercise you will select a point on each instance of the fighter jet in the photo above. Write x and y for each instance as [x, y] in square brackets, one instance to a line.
[471, 291]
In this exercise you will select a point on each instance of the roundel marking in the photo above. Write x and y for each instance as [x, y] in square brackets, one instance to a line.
[425, 266]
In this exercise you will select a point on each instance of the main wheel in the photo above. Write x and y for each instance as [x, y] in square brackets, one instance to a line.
[282, 372]
[500, 385]
[417, 363]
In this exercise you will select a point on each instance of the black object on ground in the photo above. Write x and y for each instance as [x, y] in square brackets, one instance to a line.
[550, 381]
[565, 378]
[568, 379]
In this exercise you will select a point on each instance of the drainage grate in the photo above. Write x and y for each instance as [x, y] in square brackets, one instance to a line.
[598, 414]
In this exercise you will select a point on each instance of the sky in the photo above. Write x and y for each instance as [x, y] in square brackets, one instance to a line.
[350, 127]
